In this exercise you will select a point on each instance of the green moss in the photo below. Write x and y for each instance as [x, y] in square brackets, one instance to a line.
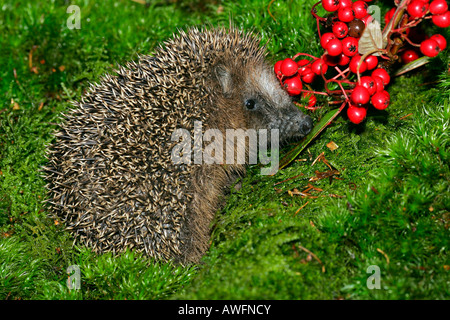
[388, 206]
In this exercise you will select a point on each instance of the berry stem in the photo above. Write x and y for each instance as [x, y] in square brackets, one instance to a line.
[340, 73]
[343, 91]
[303, 54]
[318, 28]
[313, 12]
[315, 92]
[411, 43]
[395, 19]
[307, 107]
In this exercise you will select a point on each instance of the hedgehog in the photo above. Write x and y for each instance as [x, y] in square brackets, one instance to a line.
[110, 177]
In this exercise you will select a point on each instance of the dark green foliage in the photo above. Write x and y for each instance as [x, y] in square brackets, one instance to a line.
[391, 200]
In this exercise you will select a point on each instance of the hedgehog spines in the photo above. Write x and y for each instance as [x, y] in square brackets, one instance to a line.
[110, 177]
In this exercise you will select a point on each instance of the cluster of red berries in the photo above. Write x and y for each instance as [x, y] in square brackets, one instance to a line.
[428, 46]
[345, 26]
[437, 8]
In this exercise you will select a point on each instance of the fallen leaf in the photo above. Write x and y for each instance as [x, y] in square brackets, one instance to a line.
[296, 192]
[323, 175]
[15, 105]
[332, 145]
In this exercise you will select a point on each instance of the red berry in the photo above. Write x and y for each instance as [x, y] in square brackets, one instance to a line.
[326, 37]
[308, 75]
[277, 68]
[346, 4]
[340, 29]
[293, 86]
[330, 60]
[388, 16]
[312, 99]
[409, 56]
[360, 9]
[356, 28]
[330, 5]
[369, 83]
[343, 60]
[430, 48]
[442, 20]
[356, 114]
[346, 14]
[372, 62]
[367, 19]
[380, 100]
[438, 6]
[350, 46]
[319, 66]
[417, 8]
[289, 67]
[360, 95]
[302, 63]
[379, 83]
[383, 75]
[334, 47]
[442, 43]
[355, 62]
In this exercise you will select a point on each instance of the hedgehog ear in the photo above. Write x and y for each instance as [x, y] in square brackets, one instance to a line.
[223, 75]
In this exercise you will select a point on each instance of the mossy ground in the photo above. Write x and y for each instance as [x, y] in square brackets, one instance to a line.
[389, 205]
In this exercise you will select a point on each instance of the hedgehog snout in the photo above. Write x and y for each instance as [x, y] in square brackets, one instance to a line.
[296, 125]
[306, 125]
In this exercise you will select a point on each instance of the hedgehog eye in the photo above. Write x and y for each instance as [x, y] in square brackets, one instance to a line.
[250, 104]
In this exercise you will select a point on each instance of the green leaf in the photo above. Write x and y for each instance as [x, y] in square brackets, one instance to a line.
[292, 154]
[413, 65]
[371, 40]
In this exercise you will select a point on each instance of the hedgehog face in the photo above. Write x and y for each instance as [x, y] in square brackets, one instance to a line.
[268, 106]
[264, 103]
